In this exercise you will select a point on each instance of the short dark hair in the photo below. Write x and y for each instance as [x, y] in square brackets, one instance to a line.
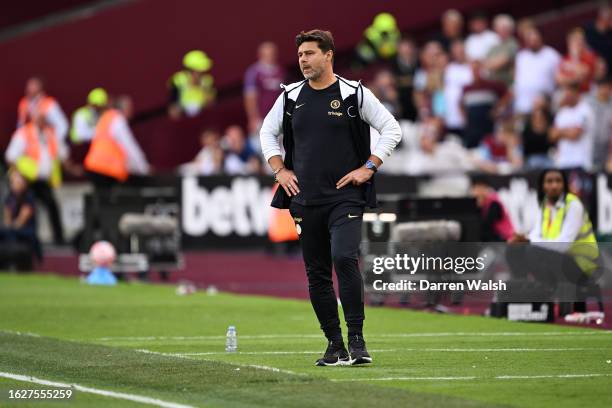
[479, 15]
[324, 39]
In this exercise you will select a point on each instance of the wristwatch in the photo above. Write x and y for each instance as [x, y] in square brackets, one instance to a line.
[370, 165]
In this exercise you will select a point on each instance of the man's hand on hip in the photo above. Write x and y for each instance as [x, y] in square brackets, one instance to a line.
[355, 177]
[287, 179]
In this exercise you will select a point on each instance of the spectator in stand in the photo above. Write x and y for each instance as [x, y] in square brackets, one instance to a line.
[573, 131]
[578, 65]
[262, 82]
[240, 158]
[481, 102]
[495, 225]
[481, 39]
[601, 105]
[379, 41]
[37, 154]
[191, 89]
[500, 59]
[404, 68]
[385, 89]
[599, 34]
[536, 145]
[435, 155]
[534, 72]
[209, 160]
[500, 153]
[19, 215]
[452, 29]
[429, 81]
[523, 27]
[457, 75]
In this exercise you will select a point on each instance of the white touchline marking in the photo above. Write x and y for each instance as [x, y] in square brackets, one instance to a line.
[18, 333]
[256, 366]
[460, 350]
[256, 353]
[528, 377]
[403, 379]
[105, 393]
[369, 336]
[499, 377]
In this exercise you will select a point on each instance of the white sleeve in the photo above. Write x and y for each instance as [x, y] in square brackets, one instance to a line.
[271, 129]
[377, 116]
[16, 148]
[569, 230]
[137, 161]
[58, 120]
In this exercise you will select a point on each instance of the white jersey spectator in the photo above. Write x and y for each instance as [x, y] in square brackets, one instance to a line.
[573, 129]
[477, 46]
[534, 72]
[481, 39]
[457, 75]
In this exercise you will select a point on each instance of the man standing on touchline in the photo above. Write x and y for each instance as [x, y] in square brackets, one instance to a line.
[327, 181]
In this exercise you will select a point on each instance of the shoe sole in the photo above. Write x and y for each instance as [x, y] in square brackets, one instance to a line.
[361, 360]
[337, 363]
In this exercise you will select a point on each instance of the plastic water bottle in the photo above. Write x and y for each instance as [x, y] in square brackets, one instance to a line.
[231, 341]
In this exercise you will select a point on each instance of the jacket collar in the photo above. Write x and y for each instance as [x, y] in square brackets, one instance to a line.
[347, 88]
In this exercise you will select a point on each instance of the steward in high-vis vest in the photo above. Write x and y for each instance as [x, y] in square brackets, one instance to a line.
[563, 247]
[114, 153]
[85, 118]
[380, 40]
[36, 100]
[37, 154]
[555, 227]
[191, 89]
[34, 151]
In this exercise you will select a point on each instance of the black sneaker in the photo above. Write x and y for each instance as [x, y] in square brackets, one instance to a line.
[335, 355]
[357, 349]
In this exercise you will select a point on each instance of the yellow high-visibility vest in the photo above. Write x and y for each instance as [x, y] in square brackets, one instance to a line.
[193, 97]
[584, 249]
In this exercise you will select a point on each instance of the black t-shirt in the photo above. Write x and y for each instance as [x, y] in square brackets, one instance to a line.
[601, 43]
[535, 142]
[324, 150]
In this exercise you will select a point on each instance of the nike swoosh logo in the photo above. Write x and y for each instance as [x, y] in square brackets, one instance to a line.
[298, 106]
[353, 216]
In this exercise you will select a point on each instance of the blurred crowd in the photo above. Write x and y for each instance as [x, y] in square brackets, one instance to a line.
[493, 96]
[485, 93]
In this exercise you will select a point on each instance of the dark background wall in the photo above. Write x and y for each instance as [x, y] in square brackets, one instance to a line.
[133, 47]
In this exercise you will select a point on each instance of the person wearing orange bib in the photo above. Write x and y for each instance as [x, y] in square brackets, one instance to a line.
[36, 100]
[37, 154]
[114, 153]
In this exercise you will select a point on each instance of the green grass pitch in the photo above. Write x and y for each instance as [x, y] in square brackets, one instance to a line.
[145, 340]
